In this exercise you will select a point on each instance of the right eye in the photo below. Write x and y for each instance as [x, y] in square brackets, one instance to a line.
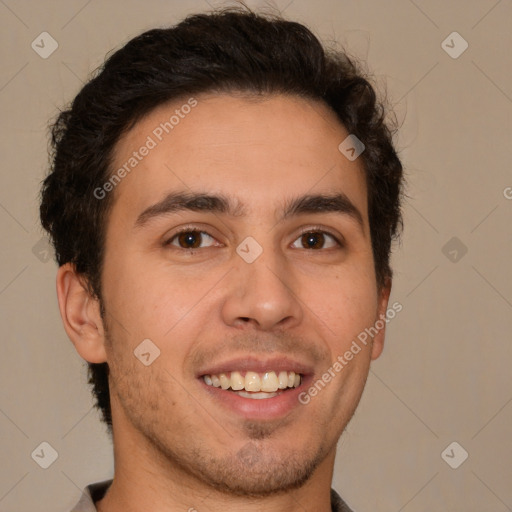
[191, 239]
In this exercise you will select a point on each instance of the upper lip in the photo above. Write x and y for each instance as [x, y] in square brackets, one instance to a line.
[257, 364]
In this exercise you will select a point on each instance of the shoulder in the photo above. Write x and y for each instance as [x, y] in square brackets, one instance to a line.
[92, 493]
[337, 504]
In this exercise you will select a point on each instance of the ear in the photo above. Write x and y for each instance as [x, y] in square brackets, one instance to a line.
[80, 314]
[382, 306]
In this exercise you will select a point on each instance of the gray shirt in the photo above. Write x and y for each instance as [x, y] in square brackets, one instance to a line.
[95, 492]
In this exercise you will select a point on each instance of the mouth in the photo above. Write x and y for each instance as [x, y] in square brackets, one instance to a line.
[254, 385]
[255, 389]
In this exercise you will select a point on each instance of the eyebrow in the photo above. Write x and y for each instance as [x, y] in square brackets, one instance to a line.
[323, 203]
[220, 204]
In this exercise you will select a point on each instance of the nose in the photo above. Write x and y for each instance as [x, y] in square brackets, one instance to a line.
[262, 295]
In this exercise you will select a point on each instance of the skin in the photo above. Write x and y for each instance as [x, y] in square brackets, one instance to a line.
[175, 446]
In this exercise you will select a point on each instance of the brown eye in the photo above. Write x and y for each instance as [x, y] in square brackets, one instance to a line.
[191, 239]
[315, 240]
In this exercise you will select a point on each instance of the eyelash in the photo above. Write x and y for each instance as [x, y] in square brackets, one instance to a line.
[313, 229]
[319, 229]
[186, 230]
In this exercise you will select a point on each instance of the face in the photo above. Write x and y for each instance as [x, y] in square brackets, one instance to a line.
[240, 246]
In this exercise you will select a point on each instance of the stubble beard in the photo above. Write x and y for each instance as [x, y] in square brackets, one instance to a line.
[252, 471]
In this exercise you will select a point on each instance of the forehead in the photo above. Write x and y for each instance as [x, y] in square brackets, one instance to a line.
[257, 149]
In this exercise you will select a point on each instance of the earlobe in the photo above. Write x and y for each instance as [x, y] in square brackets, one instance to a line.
[80, 314]
[380, 323]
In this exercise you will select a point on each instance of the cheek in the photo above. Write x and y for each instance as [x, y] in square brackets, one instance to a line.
[149, 296]
[346, 303]
[171, 308]
[143, 391]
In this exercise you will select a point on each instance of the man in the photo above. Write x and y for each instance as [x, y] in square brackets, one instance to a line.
[222, 202]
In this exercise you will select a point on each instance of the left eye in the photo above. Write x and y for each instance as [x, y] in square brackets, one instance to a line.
[315, 240]
[192, 239]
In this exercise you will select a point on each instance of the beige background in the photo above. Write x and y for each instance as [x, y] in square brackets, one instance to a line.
[445, 373]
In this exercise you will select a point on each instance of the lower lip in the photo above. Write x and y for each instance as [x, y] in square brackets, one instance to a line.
[262, 409]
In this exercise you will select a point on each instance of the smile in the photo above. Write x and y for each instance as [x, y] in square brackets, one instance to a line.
[254, 385]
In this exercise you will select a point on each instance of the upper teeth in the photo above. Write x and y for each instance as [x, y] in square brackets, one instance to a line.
[252, 381]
